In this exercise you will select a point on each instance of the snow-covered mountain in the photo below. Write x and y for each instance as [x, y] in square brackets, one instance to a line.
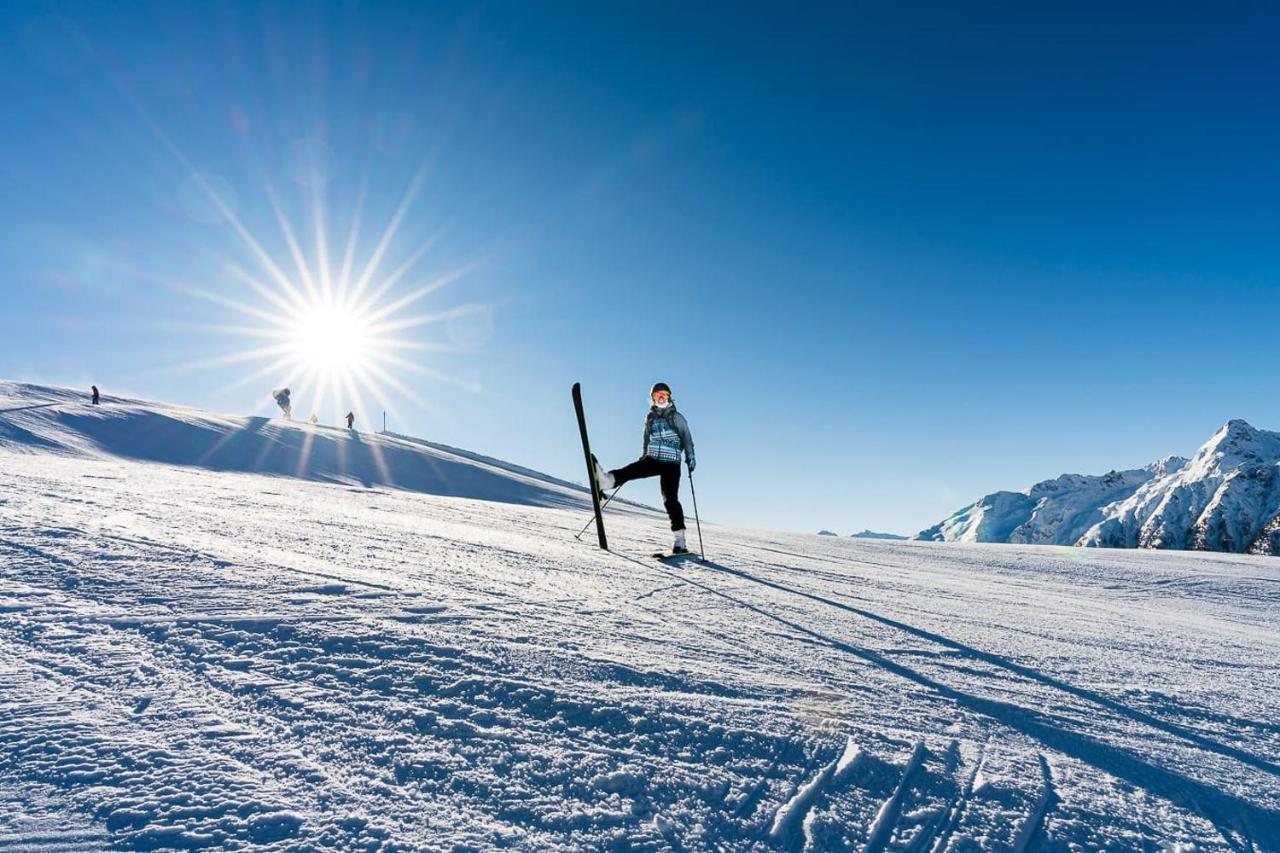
[1225, 498]
[235, 633]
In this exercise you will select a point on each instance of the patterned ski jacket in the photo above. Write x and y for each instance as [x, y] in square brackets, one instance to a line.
[666, 433]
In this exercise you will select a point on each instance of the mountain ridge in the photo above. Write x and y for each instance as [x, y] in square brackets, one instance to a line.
[1226, 497]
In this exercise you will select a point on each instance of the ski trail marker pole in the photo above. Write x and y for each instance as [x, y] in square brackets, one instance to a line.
[696, 520]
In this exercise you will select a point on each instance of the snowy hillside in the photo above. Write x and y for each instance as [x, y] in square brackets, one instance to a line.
[1225, 498]
[46, 419]
[213, 636]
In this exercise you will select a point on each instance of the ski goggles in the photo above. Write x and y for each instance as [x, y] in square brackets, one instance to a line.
[661, 396]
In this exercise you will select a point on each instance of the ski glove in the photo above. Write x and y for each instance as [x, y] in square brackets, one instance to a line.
[691, 462]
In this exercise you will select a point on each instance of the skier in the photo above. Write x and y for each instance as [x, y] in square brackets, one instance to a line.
[282, 400]
[351, 419]
[95, 394]
[314, 419]
[666, 435]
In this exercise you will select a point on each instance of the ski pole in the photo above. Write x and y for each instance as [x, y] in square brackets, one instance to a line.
[696, 520]
[602, 506]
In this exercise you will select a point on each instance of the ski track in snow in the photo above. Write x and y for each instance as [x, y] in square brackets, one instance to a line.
[214, 658]
[883, 825]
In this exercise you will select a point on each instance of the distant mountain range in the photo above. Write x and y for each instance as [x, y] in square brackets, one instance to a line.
[1225, 498]
[866, 534]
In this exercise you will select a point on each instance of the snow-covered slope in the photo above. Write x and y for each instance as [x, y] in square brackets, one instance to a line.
[195, 655]
[1225, 498]
[44, 419]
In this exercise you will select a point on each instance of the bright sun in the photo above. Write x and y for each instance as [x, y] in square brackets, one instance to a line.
[334, 332]
[331, 339]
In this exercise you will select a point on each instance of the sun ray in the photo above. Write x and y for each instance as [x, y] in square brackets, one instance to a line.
[322, 388]
[232, 358]
[291, 241]
[394, 383]
[389, 234]
[351, 390]
[401, 271]
[415, 295]
[247, 310]
[242, 275]
[244, 381]
[206, 189]
[322, 243]
[419, 401]
[348, 256]
[429, 373]
[424, 319]
[304, 456]
[244, 331]
[393, 344]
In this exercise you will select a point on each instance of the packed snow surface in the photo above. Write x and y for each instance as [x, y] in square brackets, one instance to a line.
[417, 654]
[1225, 498]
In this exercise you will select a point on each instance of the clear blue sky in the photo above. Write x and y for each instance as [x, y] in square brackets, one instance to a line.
[889, 256]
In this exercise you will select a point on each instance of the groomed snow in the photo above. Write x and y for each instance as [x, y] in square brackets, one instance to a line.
[363, 655]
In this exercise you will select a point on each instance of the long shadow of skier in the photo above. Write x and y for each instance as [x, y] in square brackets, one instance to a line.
[1260, 824]
[28, 408]
[1026, 672]
[371, 450]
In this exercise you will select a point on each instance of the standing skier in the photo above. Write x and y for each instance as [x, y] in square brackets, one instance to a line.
[351, 419]
[95, 394]
[282, 400]
[666, 436]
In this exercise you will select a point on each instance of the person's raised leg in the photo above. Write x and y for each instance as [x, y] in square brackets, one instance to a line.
[641, 468]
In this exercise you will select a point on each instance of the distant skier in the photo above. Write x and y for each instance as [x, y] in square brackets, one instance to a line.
[95, 394]
[666, 435]
[282, 400]
[351, 419]
[314, 419]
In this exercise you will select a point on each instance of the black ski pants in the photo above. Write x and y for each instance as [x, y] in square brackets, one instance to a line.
[669, 472]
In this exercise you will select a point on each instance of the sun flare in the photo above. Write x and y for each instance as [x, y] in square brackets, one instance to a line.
[327, 338]
[337, 334]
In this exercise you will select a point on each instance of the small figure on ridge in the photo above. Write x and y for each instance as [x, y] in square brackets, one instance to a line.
[282, 400]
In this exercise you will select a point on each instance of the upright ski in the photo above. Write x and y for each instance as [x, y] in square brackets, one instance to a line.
[591, 468]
